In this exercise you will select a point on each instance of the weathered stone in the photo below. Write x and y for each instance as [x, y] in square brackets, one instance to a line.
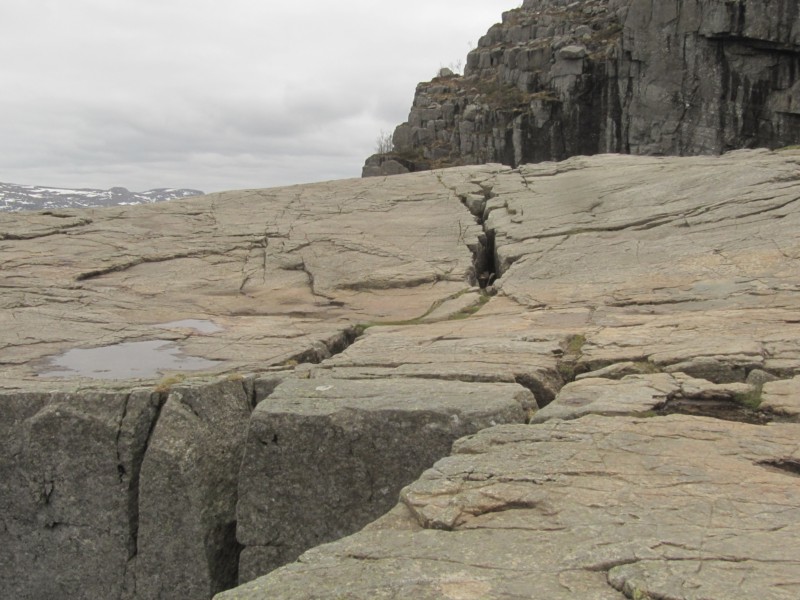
[782, 397]
[668, 284]
[276, 273]
[573, 52]
[634, 394]
[619, 370]
[604, 508]
[327, 456]
[601, 262]
[187, 494]
[249, 281]
[492, 345]
[69, 480]
[682, 77]
[682, 268]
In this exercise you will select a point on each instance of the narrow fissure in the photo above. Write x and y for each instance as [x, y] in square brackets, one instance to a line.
[788, 466]
[324, 349]
[543, 393]
[486, 261]
[484, 255]
[133, 486]
[724, 409]
[225, 563]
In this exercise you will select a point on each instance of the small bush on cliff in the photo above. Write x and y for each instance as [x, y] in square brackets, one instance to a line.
[384, 143]
[504, 96]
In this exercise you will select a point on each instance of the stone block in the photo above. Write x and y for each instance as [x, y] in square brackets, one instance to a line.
[187, 497]
[327, 456]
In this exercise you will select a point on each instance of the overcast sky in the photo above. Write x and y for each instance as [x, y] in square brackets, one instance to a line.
[215, 95]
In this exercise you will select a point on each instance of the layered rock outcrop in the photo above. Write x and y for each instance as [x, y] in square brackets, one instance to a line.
[560, 78]
[653, 286]
[317, 352]
[577, 509]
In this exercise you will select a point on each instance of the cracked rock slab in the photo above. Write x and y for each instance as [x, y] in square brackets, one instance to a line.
[274, 272]
[601, 508]
[332, 454]
[688, 263]
[634, 394]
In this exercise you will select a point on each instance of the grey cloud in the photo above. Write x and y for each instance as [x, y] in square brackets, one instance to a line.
[204, 94]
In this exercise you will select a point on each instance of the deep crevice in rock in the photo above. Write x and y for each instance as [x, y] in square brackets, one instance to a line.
[543, 393]
[324, 349]
[136, 468]
[486, 263]
[790, 466]
[484, 256]
[224, 565]
[724, 409]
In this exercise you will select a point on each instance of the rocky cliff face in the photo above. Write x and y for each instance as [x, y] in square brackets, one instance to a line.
[558, 78]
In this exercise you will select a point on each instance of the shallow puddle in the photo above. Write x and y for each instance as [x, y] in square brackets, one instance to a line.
[128, 360]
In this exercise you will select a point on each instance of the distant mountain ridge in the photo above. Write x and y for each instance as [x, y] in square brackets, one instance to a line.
[14, 197]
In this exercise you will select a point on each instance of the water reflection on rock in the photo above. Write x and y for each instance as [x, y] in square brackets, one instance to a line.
[128, 360]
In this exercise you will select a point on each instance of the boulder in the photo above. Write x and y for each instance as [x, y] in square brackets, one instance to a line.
[326, 456]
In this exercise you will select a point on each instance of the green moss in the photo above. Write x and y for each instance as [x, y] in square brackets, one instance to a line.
[165, 384]
[566, 370]
[575, 344]
[646, 366]
[470, 310]
[750, 399]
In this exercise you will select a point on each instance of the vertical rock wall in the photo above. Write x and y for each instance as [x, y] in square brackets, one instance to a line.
[69, 492]
[557, 79]
[121, 495]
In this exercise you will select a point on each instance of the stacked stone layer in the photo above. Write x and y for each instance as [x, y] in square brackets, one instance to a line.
[557, 79]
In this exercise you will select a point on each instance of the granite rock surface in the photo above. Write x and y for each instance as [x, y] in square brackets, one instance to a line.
[350, 333]
[602, 508]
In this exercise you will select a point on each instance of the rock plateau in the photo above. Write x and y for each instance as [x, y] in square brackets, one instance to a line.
[578, 378]
[568, 379]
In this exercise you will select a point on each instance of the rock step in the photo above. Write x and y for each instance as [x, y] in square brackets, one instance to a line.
[326, 456]
[601, 508]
